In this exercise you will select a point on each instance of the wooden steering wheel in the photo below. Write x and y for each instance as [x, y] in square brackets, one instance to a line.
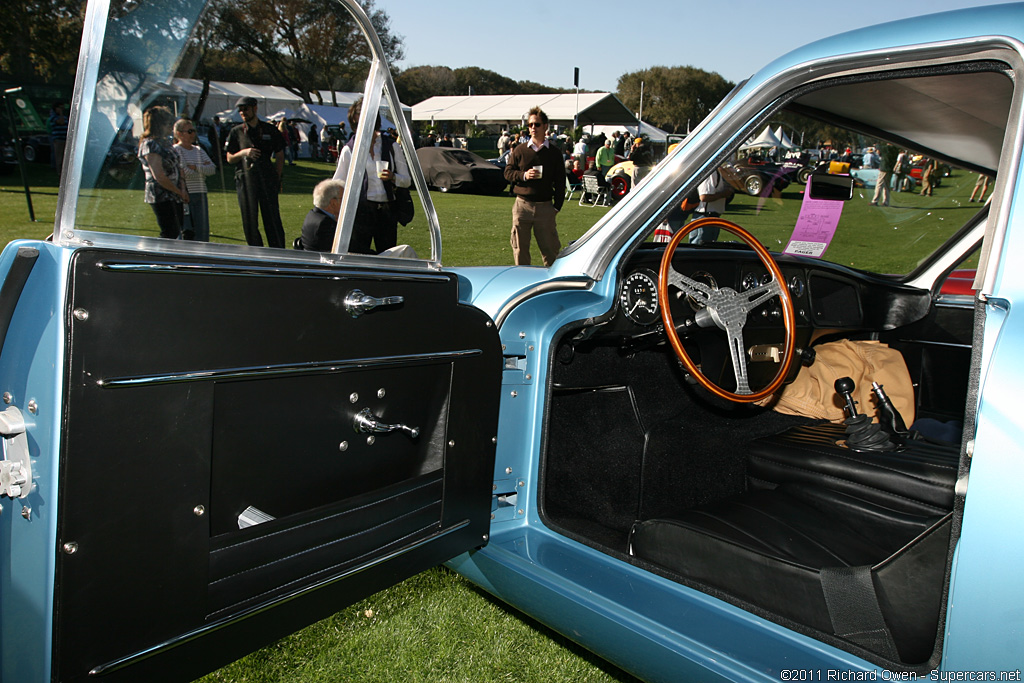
[727, 309]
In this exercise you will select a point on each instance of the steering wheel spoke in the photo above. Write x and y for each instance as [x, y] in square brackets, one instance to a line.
[728, 310]
[739, 358]
[752, 298]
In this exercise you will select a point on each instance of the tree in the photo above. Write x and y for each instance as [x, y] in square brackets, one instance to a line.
[305, 45]
[676, 98]
[417, 83]
[39, 40]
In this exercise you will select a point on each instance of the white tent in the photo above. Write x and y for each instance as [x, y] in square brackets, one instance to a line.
[653, 133]
[765, 139]
[592, 109]
[223, 95]
[784, 139]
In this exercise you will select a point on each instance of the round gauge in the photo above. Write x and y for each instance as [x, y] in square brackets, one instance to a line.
[749, 281]
[639, 297]
[796, 286]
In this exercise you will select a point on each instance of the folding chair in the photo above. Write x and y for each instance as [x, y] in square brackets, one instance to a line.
[592, 188]
[570, 188]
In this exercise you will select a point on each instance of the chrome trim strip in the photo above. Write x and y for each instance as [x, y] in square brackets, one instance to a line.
[93, 35]
[253, 611]
[256, 270]
[317, 367]
[537, 290]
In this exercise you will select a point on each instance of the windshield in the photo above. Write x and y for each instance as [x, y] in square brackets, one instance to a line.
[908, 164]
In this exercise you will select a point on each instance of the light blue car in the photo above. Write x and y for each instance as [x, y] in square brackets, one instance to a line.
[669, 451]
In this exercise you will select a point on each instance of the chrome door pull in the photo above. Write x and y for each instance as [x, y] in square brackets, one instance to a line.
[366, 422]
[358, 302]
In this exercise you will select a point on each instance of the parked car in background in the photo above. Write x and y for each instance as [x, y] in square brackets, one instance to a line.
[502, 161]
[756, 177]
[778, 452]
[36, 147]
[459, 170]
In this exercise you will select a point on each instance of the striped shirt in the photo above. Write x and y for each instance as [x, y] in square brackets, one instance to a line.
[195, 180]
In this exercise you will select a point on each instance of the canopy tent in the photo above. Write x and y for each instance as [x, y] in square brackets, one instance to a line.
[223, 95]
[653, 133]
[593, 108]
[765, 139]
[272, 100]
[784, 139]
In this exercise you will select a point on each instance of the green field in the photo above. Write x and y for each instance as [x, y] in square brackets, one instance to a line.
[436, 626]
[475, 229]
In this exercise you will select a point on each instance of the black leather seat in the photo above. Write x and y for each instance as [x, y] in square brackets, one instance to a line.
[777, 548]
[919, 478]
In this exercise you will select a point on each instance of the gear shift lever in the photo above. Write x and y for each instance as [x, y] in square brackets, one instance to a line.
[890, 418]
[844, 387]
[861, 433]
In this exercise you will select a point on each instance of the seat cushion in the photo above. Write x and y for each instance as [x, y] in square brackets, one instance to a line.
[917, 479]
[767, 548]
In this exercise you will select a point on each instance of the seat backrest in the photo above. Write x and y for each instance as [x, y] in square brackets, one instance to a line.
[590, 183]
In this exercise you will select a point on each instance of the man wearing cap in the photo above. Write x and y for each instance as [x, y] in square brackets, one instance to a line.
[256, 149]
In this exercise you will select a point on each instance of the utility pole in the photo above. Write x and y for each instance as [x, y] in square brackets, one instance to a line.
[16, 141]
[640, 116]
[576, 82]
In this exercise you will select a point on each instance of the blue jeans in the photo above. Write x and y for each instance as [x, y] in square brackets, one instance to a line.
[197, 220]
[705, 235]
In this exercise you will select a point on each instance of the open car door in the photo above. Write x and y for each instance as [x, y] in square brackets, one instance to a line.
[207, 447]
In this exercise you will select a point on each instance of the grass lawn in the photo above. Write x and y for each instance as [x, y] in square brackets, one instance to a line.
[475, 229]
[436, 626]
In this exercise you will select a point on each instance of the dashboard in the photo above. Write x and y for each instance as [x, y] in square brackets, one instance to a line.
[827, 299]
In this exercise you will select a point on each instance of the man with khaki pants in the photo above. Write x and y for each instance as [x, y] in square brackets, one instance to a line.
[538, 173]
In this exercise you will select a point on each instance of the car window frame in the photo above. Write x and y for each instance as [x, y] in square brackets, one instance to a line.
[379, 85]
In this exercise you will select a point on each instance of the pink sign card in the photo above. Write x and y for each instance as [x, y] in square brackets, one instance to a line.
[815, 226]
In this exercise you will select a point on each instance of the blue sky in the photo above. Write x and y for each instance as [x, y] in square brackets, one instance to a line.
[612, 37]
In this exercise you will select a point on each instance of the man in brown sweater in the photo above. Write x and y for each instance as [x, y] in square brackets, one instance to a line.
[538, 172]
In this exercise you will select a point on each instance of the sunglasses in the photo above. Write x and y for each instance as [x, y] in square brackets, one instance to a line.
[535, 124]
[191, 130]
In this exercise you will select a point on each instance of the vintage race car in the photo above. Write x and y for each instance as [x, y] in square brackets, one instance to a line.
[646, 446]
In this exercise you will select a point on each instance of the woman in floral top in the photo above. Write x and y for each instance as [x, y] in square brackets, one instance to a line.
[165, 190]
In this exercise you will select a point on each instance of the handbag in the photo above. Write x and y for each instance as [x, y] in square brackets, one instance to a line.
[402, 206]
[400, 202]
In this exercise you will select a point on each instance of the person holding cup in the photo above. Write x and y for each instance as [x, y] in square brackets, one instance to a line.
[375, 228]
[538, 174]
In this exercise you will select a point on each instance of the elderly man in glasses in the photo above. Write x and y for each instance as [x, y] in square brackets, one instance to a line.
[537, 172]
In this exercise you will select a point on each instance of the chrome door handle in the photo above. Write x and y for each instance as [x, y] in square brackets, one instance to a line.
[358, 302]
[366, 422]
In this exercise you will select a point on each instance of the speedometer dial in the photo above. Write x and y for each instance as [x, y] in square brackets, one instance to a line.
[639, 297]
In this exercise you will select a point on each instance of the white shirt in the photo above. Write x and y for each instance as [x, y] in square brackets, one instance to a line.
[713, 184]
[580, 149]
[195, 181]
[375, 191]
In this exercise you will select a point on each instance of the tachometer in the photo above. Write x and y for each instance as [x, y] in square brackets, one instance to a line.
[639, 297]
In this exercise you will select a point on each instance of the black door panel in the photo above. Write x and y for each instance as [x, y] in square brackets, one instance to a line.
[216, 494]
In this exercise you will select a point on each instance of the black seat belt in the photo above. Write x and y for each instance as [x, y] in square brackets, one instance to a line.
[854, 610]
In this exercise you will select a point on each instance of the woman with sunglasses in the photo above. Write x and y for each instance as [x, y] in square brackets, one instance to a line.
[195, 166]
[164, 191]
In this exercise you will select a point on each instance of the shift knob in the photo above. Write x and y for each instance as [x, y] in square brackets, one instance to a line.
[844, 387]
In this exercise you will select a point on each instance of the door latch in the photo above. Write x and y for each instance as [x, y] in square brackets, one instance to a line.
[16, 467]
[358, 302]
[366, 422]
